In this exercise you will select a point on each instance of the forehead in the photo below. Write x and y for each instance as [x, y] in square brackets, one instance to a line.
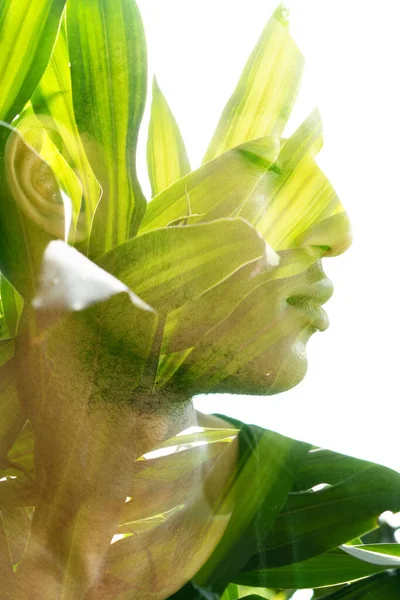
[294, 200]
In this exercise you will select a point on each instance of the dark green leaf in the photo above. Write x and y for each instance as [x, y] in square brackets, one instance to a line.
[384, 586]
[270, 462]
[326, 569]
[325, 466]
[315, 522]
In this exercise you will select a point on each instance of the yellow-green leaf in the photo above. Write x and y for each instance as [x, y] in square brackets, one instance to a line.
[215, 190]
[109, 75]
[168, 267]
[27, 34]
[167, 159]
[52, 102]
[263, 99]
[31, 211]
[294, 205]
[323, 570]
[11, 305]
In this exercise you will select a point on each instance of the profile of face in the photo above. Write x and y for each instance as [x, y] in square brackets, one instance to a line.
[248, 334]
[109, 361]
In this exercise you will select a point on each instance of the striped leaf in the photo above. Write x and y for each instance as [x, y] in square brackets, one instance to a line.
[27, 34]
[315, 522]
[109, 76]
[167, 159]
[31, 129]
[323, 570]
[31, 211]
[52, 103]
[168, 267]
[279, 190]
[266, 92]
[295, 204]
[209, 193]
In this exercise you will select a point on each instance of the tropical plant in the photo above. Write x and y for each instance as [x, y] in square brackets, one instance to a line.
[115, 312]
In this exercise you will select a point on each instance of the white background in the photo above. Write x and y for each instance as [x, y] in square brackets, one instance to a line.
[349, 400]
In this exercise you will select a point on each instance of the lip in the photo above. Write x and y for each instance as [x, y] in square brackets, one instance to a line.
[310, 300]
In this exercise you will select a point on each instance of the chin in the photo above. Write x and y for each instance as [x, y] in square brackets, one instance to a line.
[278, 370]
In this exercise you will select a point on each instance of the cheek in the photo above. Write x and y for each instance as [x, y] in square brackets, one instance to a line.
[279, 368]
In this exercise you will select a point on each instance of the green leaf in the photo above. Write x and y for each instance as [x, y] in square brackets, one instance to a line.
[326, 569]
[109, 77]
[275, 459]
[280, 191]
[207, 193]
[168, 267]
[295, 205]
[264, 97]
[382, 586]
[315, 522]
[27, 34]
[34, 134]
[31, 211]
[52, 103]
[167, 159]
[325, 466]
[231, 592]
[12, 305]
[70, 185]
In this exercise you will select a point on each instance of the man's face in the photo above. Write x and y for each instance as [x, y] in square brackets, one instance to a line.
[258, 345]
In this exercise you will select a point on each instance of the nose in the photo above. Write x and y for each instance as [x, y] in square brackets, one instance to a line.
[333, 234]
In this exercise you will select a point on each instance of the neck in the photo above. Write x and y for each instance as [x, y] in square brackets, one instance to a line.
[82, 504]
